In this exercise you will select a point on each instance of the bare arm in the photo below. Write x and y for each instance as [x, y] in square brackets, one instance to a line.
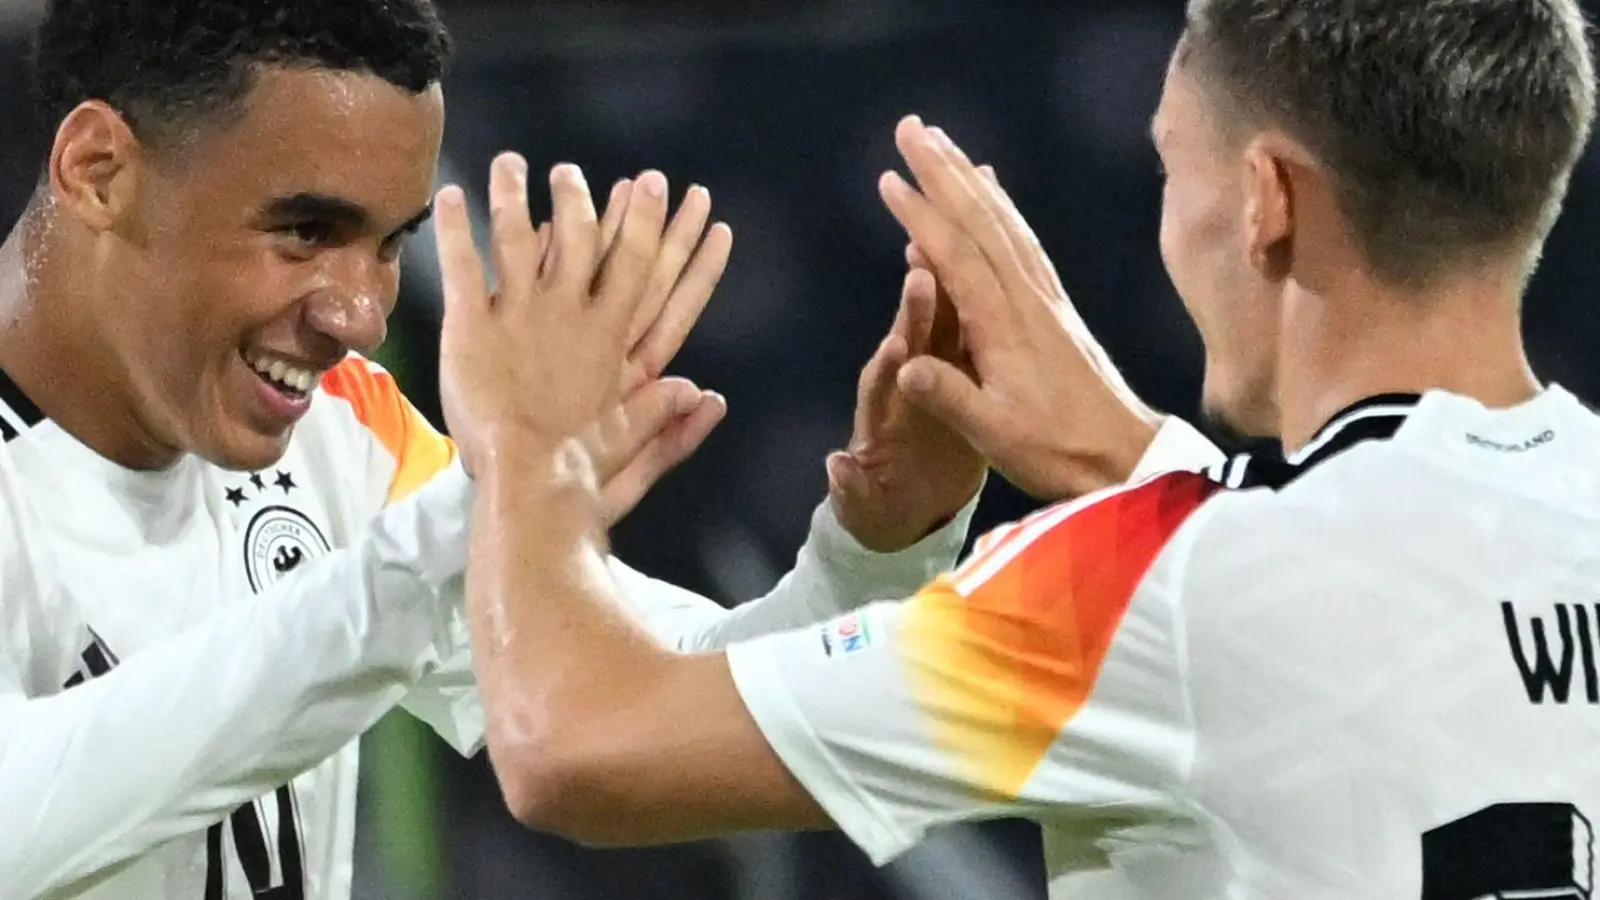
[582, 750]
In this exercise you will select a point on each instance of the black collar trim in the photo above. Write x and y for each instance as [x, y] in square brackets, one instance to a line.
[17, 412]
[1376, 418]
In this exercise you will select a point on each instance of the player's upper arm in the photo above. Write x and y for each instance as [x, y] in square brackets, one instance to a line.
[1042, 678]
[411, 449]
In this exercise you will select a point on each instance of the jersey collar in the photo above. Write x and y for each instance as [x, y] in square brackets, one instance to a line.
[1374, 418]
[17, 412]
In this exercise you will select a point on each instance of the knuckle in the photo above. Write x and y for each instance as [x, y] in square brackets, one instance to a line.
[966, 259]
[507, 228]
[633, 255]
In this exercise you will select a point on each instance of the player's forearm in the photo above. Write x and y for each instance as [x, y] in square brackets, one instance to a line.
[558, 660]
[177, 736]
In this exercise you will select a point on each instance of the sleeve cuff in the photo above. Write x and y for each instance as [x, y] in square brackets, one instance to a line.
[901, 572]
[767, 698]
[1178, 447]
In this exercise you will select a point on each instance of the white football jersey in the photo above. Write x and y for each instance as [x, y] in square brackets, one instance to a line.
[187, 656]
[1365, 671]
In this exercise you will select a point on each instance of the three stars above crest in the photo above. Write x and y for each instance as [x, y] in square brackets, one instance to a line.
[284, 480]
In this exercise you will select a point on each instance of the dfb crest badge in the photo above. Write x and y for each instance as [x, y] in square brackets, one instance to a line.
[278, 540]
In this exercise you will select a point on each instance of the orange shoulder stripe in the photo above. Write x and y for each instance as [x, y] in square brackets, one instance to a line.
[1003, 653]
[420, 452]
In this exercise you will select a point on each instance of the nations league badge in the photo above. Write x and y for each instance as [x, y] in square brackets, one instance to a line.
[278, 541]
[848, 634]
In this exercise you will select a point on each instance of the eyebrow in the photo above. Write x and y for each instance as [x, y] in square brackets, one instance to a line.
[328, 208]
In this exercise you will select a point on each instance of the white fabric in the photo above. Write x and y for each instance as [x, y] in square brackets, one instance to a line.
[245, 628]
[1385, 668]
[1177, 447]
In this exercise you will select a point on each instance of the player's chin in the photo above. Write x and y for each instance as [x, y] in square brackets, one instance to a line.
[243, 447]
[1232, 416]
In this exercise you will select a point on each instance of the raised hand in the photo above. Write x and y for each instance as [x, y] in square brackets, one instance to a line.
[691, 264]
[1042, 400]
[687, 272]
[905, 472]
[534, 364]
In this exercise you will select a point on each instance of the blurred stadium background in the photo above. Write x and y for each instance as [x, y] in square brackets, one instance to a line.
[785, 110]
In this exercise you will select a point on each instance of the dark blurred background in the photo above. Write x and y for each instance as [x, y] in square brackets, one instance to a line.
[786, 111]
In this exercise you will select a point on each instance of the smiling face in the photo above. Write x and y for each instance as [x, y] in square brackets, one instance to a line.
[251, 262]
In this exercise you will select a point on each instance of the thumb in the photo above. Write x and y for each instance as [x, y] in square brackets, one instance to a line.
[845, 474]
[641, 417]
[660, 454]
[949, 395]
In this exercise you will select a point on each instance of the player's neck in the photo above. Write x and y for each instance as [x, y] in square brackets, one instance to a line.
[47, 351]
[1463, 337]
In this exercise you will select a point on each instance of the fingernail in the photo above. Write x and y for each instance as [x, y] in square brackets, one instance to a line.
[837, 470]
[567, 172]
[515, 163]
[451, 197]
[892, 183]
[939, 137]
[654, 183]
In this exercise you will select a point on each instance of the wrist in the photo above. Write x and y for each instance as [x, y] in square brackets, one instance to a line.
[1111, 460]
[885, 531]
[1121, 456]
[543, 496]
[879, 537]
[529, 464]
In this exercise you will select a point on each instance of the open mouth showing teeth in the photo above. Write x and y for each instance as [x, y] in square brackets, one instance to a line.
[290, 380]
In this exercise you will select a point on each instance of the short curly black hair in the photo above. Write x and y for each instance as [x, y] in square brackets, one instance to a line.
[170, 65]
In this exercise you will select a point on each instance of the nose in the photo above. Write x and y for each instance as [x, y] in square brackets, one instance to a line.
[353, 306]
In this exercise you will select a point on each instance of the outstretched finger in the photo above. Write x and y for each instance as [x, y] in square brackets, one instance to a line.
[1030, 252]
[949, 181]
[575, 242]
[515, 245]
[466, 289]
[620, 288]
[688, 300]
[683, 236]
[877, 386]
[918, 304]
[963, 269]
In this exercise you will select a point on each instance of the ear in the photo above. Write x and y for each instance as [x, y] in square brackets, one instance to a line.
[1269, 210]
[94, 165]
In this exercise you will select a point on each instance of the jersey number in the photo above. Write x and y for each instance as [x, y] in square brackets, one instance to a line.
[1543, 850]
[257, 855]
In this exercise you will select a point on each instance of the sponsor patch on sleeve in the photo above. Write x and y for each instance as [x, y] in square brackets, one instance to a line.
[848, 634]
